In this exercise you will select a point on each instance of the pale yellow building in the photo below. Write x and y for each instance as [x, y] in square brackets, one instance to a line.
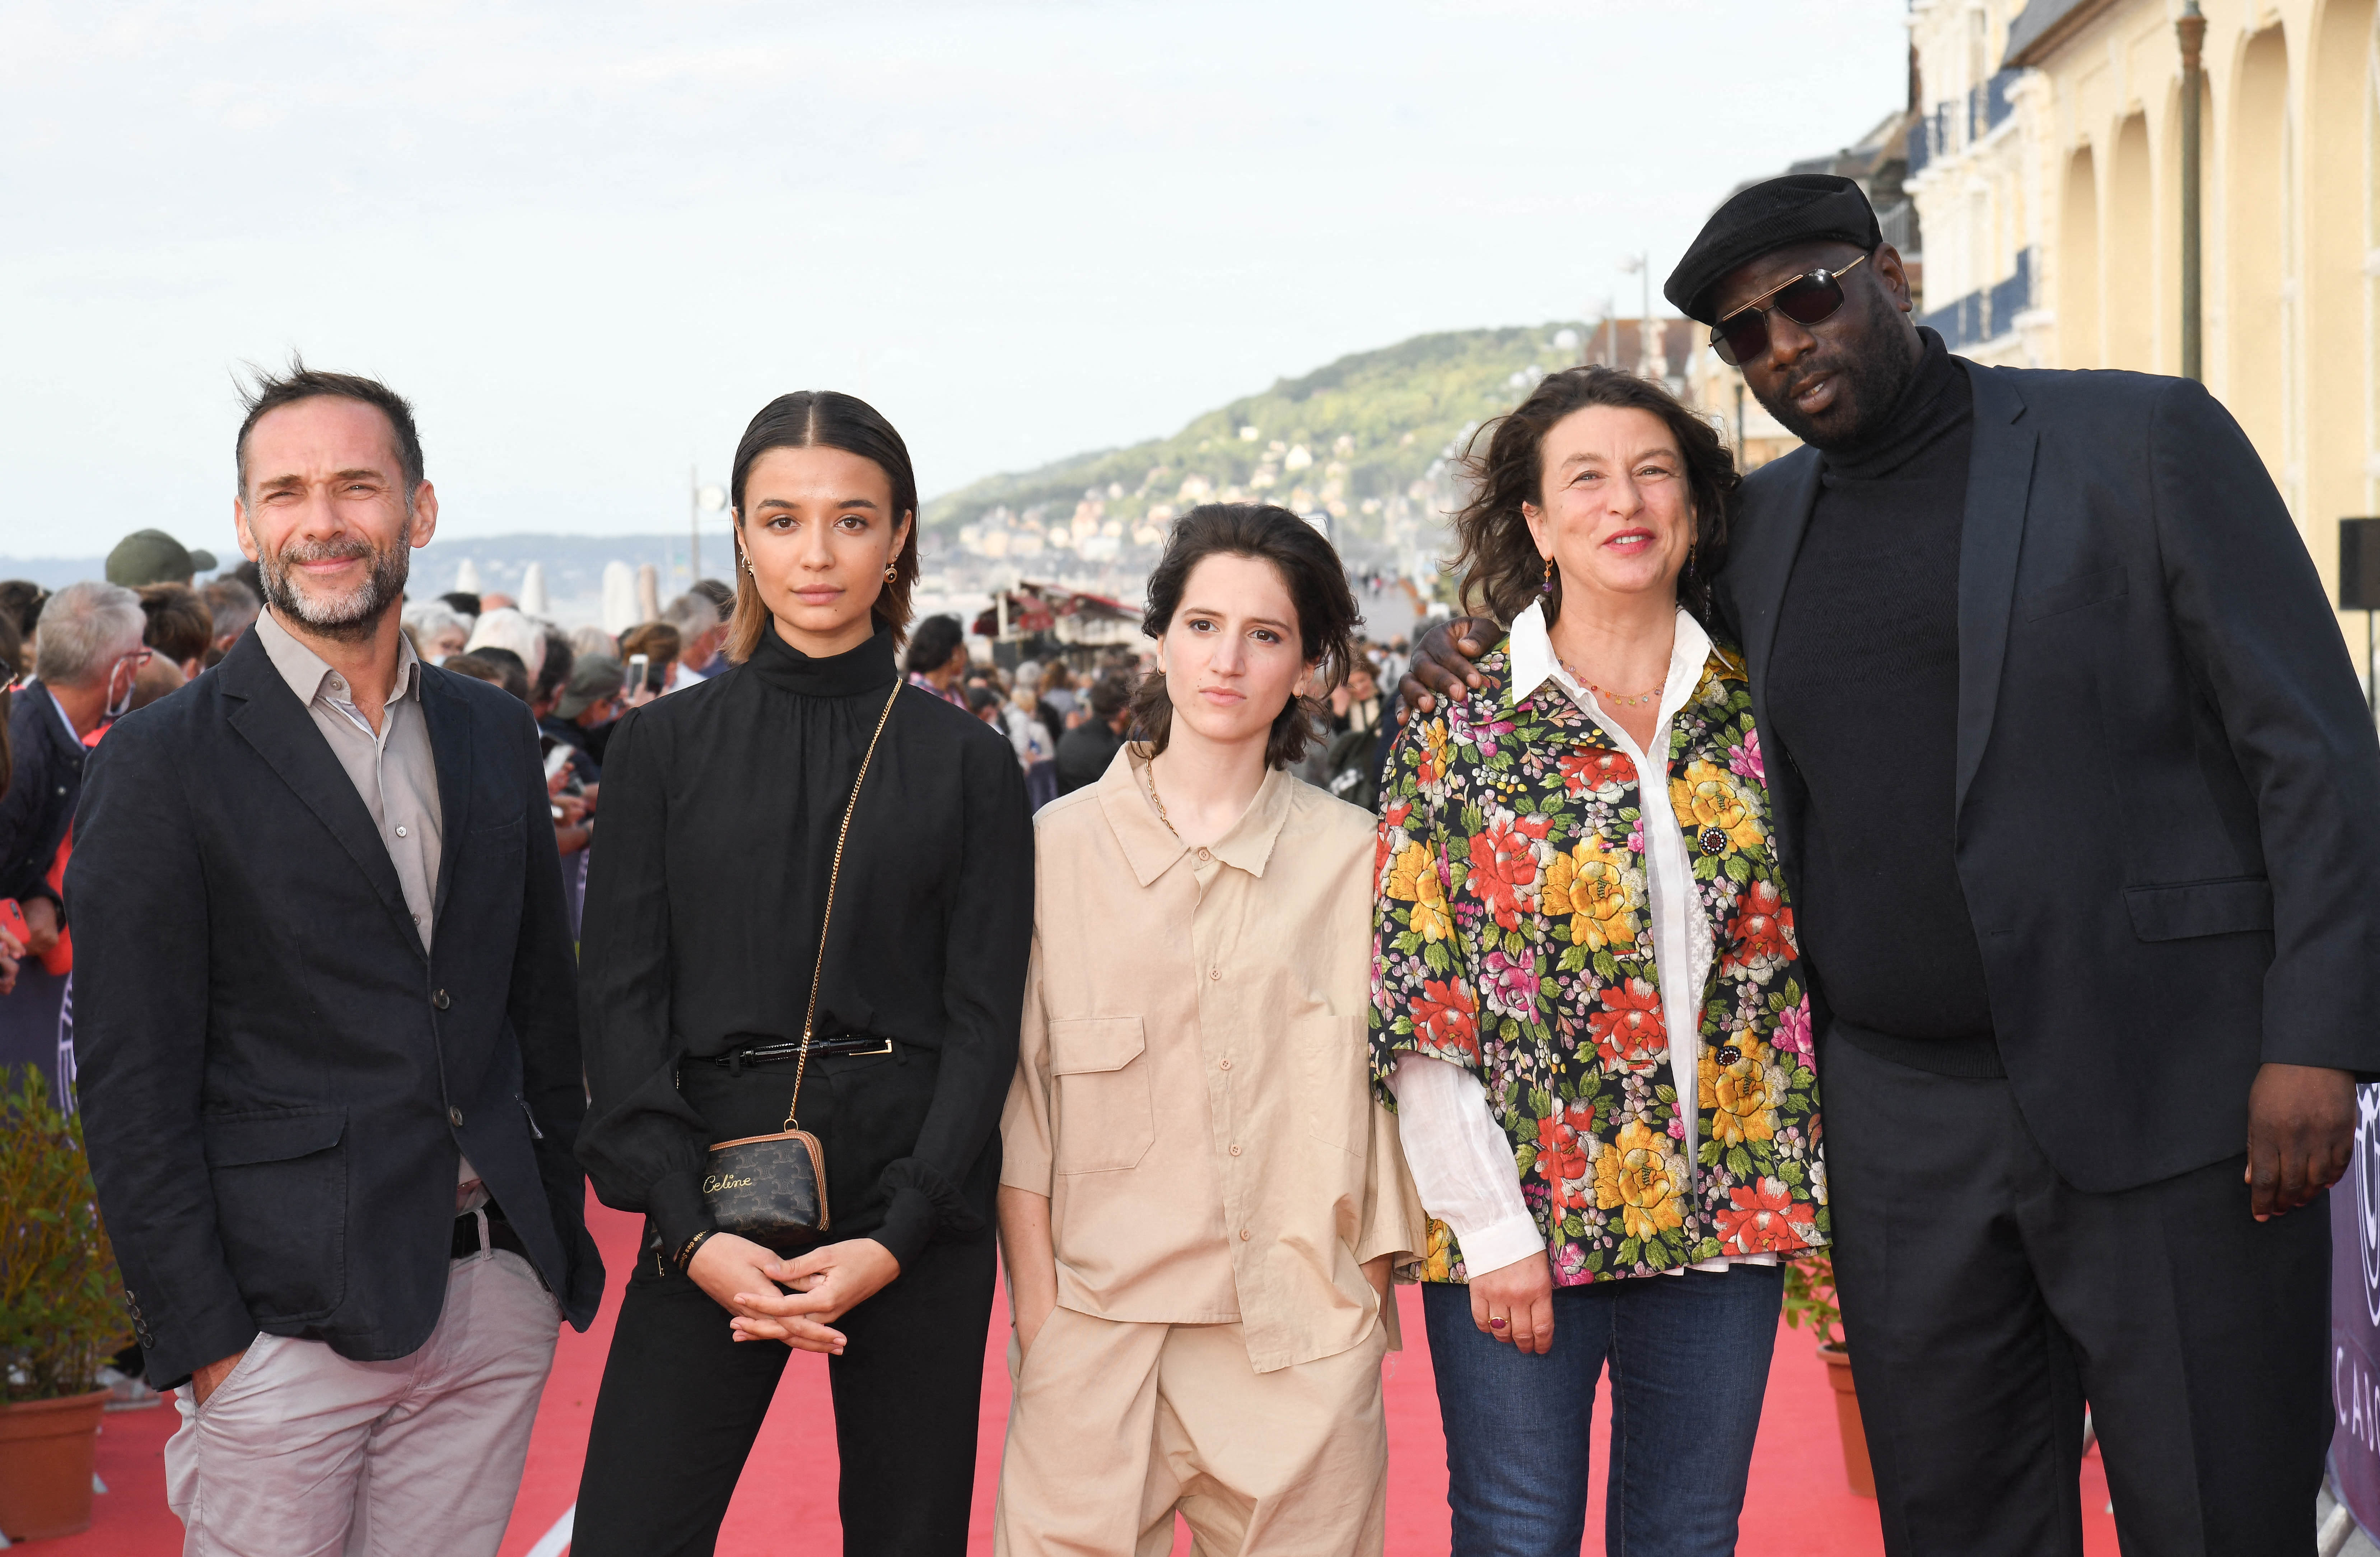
[2049, 182]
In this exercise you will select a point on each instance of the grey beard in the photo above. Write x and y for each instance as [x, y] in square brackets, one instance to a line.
[351, 618]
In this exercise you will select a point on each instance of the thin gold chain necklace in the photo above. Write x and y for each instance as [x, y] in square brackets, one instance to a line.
[1148, 776]
[1623, 700]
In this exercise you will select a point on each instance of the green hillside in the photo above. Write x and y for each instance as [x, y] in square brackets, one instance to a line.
[1361, 439]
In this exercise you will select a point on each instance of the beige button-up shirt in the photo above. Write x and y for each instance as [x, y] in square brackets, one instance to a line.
[393, 770]
[1191, 1090]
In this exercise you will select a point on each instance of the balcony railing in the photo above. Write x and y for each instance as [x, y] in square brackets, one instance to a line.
[1898, 226]
[1988, 105]
[1988, 312]
[1957, 122]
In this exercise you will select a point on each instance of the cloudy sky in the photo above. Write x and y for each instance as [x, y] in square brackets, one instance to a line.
[589, 240]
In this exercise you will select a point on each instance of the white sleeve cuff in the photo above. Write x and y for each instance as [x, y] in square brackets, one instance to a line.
[1462, 1161]
[1499, 1244]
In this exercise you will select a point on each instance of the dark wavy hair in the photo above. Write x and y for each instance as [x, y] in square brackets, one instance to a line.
[1502, 570]
[814, 418]
[1309, 565]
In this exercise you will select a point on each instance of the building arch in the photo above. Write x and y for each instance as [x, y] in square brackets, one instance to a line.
[2129, 246]
[2259, 241]
[2079, 341]
[2337, 307]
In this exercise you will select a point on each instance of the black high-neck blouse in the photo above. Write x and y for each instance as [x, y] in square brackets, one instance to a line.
[721, 805]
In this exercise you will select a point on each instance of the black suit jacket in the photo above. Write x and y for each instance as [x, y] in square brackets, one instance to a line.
[44, 785]
[2168, 789]
[276, 1079]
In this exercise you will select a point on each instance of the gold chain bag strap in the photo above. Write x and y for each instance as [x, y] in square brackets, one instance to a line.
[771, 1189]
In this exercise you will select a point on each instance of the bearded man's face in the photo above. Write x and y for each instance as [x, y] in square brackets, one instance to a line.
[1834, 382]
[327, 515]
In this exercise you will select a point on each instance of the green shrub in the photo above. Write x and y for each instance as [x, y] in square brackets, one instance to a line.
[62, 1312]
[1810, 1295]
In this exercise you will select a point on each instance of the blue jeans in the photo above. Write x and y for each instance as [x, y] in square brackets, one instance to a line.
[1689, 1358]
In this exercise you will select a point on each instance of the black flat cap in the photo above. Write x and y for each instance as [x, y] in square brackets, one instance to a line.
[1762, 219]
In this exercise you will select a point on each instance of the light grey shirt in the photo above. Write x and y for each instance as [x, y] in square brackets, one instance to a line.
[393, 769]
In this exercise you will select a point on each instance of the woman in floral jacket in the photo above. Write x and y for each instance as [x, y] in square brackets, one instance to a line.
[1586, 997]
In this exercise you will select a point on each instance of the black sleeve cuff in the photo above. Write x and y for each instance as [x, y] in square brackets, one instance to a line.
[924, 1205]
[675, 1204]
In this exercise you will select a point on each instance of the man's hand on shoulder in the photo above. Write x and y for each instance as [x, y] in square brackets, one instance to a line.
[2300, 1133]
[1441, 664]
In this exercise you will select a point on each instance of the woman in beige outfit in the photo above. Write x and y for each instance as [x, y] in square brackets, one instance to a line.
[1200, 1201]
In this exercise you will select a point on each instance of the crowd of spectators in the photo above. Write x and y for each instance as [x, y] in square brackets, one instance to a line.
[91, 651]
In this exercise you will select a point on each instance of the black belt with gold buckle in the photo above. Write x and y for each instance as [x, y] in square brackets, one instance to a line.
[767, 1053]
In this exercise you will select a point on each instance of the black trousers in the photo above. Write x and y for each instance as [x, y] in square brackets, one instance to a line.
[1985, 1300]
[681, 1403]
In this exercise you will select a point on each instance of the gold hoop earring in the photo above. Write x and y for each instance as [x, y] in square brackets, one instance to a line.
[892, 572]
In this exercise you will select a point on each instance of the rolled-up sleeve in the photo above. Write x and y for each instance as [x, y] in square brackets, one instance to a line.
[1026, 1151]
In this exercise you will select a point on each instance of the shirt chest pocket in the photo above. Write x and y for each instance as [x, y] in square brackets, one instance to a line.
[1099, 1071]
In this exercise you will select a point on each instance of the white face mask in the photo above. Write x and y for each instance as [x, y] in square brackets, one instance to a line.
[118, 707]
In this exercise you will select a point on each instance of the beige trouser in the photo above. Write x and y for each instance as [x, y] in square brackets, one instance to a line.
[1115, 1426]
[303, 1453]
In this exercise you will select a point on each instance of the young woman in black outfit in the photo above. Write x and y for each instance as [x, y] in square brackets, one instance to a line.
[721, 808]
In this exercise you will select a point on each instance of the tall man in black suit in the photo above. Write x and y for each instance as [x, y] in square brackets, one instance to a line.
[2080, 804]
[329, 1035]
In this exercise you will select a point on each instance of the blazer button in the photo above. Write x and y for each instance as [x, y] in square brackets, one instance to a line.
[455, 1117]
[439, 1000]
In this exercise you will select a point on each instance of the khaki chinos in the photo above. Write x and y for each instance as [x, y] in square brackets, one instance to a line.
[1193, 1095]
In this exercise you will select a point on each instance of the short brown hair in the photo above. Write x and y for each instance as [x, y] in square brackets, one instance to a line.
[657, 642]
[1502, 570]
[1317, 581]
[180, 626]
[824, 418]
[270, 392]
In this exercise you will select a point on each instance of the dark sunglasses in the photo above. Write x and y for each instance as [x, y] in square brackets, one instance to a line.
[1742, 336]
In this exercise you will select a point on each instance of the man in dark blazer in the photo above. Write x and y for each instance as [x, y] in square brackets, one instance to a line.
[328, 1032]
[2080, 801]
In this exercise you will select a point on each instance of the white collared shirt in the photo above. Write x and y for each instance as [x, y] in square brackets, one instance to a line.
[1462, 1161]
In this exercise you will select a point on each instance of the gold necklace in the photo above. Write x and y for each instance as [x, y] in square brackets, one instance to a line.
[1148, 776]
[1624, 699]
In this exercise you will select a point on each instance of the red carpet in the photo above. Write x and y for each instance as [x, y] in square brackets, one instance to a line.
[1797, 1505]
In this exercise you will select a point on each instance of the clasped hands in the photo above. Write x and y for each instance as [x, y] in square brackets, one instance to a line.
[748, 1279]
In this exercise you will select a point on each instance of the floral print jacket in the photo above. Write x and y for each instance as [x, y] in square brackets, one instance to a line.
[1511, 936]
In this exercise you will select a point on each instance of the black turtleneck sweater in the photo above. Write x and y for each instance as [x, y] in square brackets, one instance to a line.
[704, 893]
[1863, 693]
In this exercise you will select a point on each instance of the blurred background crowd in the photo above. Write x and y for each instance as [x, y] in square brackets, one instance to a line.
[84, 655]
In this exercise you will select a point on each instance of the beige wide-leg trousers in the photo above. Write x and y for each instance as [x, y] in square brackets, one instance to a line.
[1114, 1426]
[303, 1453]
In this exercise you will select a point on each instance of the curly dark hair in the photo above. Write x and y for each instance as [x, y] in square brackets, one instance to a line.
[1309, 567]
[1502, 570]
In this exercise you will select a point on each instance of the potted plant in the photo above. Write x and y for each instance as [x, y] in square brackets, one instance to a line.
[1810, 1295]
[62, 1315]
